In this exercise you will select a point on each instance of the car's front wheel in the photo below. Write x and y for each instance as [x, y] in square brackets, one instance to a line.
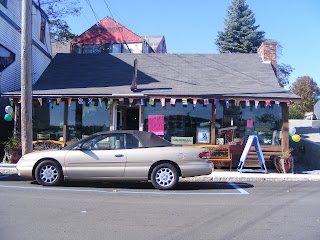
[49, 173]
[164, 176]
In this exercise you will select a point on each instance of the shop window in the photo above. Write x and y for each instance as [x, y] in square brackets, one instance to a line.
[47, 120]
[86, 119]
[6, 57]
[83, 119]
[43, 29]
[4, 2]
[236, 123]
[182, 123]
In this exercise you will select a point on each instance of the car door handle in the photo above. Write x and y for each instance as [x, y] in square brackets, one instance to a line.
[118, 155]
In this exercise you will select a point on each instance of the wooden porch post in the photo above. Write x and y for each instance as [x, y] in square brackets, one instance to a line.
[111, 128]
[65, 121]
[213, 124]
[285, 127]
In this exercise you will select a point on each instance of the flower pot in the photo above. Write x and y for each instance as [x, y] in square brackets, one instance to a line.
[283, 164]
[12, 155]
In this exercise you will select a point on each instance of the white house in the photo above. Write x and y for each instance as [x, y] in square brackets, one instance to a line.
[10, 44]
[10, 53]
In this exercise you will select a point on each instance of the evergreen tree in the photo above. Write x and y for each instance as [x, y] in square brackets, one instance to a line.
[240, 34]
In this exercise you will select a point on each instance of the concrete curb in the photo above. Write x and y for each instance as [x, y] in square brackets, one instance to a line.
[7, 168]
[218, 176]
[253, 177]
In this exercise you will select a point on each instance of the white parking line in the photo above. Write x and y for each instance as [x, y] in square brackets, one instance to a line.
[235, 186]
[115, 191]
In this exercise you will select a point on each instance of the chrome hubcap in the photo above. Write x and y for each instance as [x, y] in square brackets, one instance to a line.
[164, 177]
[48, 174]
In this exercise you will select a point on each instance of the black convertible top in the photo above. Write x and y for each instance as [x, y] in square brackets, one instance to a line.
[148, 139]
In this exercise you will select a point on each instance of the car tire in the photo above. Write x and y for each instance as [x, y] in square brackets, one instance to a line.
[49, 173]
[164, 176]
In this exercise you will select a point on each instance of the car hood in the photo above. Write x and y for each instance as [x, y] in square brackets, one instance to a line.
[35, 156]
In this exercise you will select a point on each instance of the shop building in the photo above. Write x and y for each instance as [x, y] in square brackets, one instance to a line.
[185, 98]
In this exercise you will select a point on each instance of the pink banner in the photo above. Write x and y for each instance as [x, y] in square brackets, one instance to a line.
[249, 123]
[156, 124]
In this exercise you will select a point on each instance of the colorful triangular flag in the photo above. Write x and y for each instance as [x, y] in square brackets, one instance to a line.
[163, 102]
[184, 101]
[227, 103]
[172, 101]
[194, 101]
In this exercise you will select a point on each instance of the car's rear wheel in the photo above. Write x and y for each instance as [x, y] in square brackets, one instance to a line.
[164, 176]
[49, 173]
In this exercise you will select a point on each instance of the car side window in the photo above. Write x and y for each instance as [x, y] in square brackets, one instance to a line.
[132, 142]
[105, 142]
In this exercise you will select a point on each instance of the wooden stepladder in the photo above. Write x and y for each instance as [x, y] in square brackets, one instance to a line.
[252, 140]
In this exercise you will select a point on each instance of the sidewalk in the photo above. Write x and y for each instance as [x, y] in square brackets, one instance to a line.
[221, 175]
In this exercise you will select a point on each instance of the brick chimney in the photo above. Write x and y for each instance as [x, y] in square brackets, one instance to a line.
[268, 52]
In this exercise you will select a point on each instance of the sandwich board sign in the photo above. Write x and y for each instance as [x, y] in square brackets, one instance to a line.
[252, 140]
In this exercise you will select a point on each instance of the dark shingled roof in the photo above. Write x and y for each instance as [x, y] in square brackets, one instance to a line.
[202, 75]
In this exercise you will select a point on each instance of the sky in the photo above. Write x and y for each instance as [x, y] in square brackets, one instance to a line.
[192, 26]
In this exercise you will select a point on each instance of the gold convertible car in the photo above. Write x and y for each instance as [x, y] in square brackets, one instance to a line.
[117, 155]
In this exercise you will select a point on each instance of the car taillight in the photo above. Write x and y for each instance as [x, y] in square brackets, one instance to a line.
[203, 155]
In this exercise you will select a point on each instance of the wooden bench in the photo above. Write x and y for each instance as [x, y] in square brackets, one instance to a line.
[47, 144]
[219, 154]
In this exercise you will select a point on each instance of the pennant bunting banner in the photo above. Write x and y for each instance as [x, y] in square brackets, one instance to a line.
[151, 101]
[19, 101]
[58, 101]
[247, 103]
[110, 101]
[121, 100]
[216, 101]
[277, 103]
[100, 102]
[40, 101]
[69, 101]
[141, 101]
[206, 101]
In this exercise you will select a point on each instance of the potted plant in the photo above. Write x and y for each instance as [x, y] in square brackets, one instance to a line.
[12, 149]
[284, 162]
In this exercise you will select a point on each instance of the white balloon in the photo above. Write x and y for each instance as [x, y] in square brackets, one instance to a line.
[292, 131]
[8, 109]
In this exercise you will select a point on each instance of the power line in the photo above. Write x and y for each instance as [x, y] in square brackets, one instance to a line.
[110, 8]
[94, 13]
[124, 41]
[82, 13]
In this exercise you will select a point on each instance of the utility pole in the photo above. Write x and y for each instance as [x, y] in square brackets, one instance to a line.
[26, 77]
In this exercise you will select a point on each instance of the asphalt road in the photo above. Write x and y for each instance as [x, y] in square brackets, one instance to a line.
[197, 210]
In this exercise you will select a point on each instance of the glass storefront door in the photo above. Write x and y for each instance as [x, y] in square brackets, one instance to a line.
[127, 117]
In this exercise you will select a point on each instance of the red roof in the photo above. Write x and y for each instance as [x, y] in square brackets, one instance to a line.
[107, 31]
